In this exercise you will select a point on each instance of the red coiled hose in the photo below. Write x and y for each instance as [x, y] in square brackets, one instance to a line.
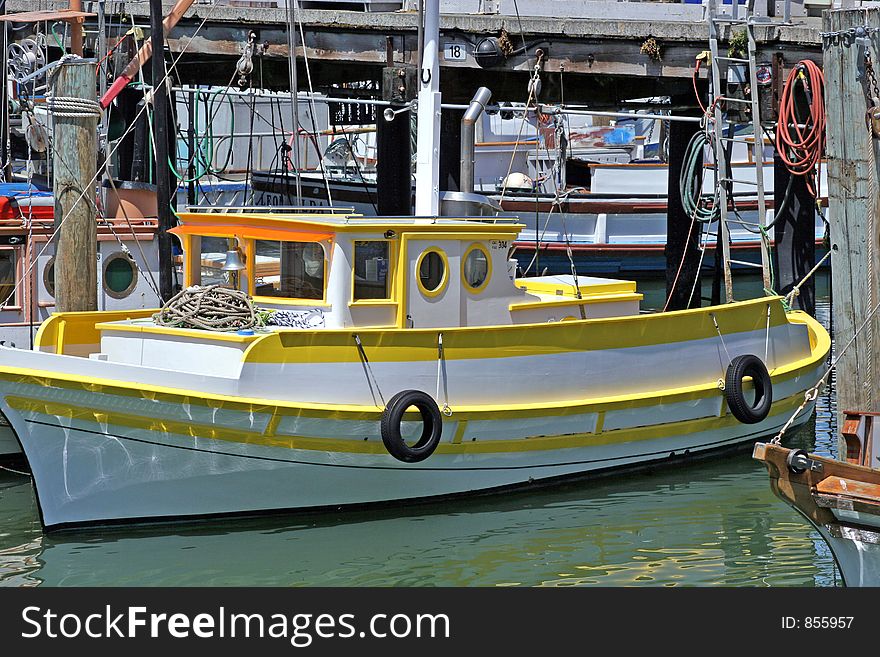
[801, 148]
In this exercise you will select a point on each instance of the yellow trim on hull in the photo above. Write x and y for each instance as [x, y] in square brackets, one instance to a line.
[360, 412]
[819, 338]
[541, 443]
[484, 342]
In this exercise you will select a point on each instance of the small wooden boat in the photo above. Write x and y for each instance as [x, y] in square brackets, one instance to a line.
[415, 366]
[840, 498]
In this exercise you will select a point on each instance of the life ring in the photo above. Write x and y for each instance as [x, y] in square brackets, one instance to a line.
[744, 411]
[432, 426]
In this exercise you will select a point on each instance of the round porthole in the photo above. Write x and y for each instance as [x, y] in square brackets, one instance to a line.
[120, 275]
[49, 276]
[476, 268]
[432, 272]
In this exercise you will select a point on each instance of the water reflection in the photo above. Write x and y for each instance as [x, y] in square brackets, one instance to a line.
[706, 524]
[712, 524]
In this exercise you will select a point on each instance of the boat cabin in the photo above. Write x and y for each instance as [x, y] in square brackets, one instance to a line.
[338, 270]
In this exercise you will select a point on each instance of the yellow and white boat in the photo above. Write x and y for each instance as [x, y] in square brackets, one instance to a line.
[513, 381]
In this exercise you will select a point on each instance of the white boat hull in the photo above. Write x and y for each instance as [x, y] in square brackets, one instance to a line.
[90, 471]
[112, 441]
[857, 552]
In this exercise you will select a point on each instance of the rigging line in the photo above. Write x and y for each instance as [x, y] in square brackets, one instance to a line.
[358, 167]
[153, 285]
[811, 394]
[718, 330]
[521, 31]
[516, 141]
[91, 184]
[214, 109]
[248, 183]
[700, 263]
[294, 93]
[366, 363]
[565, 233]
[311, 101]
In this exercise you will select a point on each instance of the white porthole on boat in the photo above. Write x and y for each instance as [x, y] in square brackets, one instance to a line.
[120, 275]
[476, 268]
[432, 272]
[49, 277]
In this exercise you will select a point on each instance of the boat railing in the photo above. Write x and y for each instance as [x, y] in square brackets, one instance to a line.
[274, 209]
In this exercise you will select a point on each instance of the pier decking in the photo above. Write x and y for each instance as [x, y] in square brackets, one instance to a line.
[342, 43]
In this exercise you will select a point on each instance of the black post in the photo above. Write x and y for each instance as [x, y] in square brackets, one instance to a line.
[160, 128]
[5, 160]
[191, 147]
[682, 235]
[393, 148]
[450, 154]
[794, 234]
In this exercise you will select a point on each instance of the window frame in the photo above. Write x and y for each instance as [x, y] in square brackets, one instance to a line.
[17, 266]
[106, 262]
[389, 277]
[476, 246]
[444, 281]
[292, 301]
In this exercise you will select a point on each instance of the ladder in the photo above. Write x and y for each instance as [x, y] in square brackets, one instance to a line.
[725, 179]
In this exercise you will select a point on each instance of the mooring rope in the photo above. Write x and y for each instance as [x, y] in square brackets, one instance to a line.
[73, 107]
[212, 308]
[813, 393]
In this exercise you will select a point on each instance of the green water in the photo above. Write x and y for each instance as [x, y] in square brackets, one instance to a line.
[714, 523]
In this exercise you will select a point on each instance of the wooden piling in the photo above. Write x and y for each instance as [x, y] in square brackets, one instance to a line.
[74, 165]
[854, 209]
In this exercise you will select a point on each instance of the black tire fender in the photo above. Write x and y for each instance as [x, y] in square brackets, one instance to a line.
[739, 368]
[432, 426]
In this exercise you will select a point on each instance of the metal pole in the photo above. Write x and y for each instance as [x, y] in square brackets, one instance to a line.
[468, 122]
[428, 144]
[294, 91]
[5, 160]
[160, 131]
[191, 147]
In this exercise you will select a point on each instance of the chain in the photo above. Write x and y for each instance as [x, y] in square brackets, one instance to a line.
[848, 35]
[872, 115]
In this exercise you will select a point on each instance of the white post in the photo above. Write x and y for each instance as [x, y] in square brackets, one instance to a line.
[428, 143]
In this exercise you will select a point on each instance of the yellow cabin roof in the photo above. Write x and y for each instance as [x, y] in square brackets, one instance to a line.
[310, 226]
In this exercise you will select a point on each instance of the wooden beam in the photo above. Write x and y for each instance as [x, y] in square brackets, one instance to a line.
[854, 207]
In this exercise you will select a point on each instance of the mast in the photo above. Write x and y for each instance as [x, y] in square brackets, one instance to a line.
[428, 155]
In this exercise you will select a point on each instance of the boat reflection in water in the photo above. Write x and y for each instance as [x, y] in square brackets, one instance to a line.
[714, 523]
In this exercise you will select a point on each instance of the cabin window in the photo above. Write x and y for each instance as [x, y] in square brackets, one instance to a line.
[120, 275]
[476, 268]
[293, 270]
[49, 276]
[432, 272]
[371, 280]
[212, 257]
[7, 277]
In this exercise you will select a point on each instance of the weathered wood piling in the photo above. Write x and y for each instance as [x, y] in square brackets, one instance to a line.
[854, 203]
[75, 152]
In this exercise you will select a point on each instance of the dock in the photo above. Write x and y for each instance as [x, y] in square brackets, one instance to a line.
[600, 56]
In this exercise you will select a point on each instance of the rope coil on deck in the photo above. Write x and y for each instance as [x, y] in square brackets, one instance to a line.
[212, 308]
[73, 107]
